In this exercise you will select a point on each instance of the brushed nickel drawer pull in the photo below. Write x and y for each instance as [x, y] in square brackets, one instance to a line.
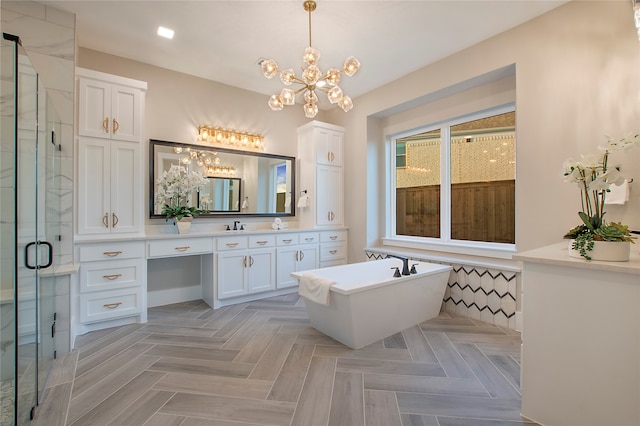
[333, 237]
[333, 251]
[112, 305]
[232, 244]
[261, 242]
[308, 239]
[112, 277]
[112, 253]
[287, 241]
[183, 248]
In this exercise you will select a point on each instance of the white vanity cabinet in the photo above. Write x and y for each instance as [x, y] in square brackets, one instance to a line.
[110, 164]
[295, 253]
[333, 248]
[245, 265]
[113, 278]
[320, 153]
[109, 107]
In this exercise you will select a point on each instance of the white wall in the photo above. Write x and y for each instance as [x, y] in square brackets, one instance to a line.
[577, 78]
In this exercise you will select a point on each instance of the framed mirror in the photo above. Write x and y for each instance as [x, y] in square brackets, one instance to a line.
[239, 183]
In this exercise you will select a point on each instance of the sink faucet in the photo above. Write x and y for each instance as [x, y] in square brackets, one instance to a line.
[235, 225]
[405, 263]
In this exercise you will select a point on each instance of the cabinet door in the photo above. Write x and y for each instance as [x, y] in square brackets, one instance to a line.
[307, 258]
[328, 147]
[329, 203]
[231, 274]
[125, 115]
[262, 270]
[287, 259]
[94, 114]
[125, 187]
[94, 213]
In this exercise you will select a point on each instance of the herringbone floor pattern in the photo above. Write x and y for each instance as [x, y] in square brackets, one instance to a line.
[261, 363]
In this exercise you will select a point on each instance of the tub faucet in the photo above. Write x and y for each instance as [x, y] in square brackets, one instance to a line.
[405, 263]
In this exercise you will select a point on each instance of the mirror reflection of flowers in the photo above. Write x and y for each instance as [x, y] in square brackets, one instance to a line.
[205, 200]
[173, 190]
[594, 177]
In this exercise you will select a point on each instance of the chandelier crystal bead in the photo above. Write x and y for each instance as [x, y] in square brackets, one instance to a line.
[311, 79]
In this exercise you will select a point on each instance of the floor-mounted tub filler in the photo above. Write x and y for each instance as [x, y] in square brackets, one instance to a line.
[360, 303]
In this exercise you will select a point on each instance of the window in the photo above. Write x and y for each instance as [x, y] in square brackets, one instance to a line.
[456, 181]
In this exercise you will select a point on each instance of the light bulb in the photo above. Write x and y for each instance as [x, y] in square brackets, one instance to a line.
[311, 56]
[269, 68]
[275, 103]
[345, 103]
[310, 110]
[351, 66]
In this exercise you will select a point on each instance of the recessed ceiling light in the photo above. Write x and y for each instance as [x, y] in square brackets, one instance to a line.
[165, 32]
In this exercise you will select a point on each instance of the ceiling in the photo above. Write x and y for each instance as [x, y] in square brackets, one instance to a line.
[223, 41]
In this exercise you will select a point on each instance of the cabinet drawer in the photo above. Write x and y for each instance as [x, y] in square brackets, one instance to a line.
[110, 304]
[308, 238]
[328, 237]
[287, 239]
[111, 251]
[180, 247]
[109, 275]
[256, 241]
[333, 251]
[231, 243]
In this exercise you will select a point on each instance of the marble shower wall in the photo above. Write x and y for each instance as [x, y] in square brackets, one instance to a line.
[485, 294]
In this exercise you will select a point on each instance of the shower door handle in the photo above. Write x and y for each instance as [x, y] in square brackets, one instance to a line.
[49, 256]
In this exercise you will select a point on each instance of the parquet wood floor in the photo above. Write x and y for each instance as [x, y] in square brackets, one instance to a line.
[261, 363]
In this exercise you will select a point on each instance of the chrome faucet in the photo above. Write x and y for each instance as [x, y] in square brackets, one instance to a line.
[235, 225]
[405, 263]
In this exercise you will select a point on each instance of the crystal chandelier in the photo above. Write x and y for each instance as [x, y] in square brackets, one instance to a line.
[311, 79]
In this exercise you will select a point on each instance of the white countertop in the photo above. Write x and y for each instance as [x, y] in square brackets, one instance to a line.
[558, 254]
[169, 232]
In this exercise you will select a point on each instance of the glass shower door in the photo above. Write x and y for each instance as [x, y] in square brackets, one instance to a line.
[27, 171]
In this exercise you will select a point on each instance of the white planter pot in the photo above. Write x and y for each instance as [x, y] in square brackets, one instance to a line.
[183, 225]
[609, 251]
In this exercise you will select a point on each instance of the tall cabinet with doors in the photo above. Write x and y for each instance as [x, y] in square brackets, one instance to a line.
[320, 152]
[321, 174]
[109, 199]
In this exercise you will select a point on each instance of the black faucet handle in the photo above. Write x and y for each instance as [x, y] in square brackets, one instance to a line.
[396, 274]
[413, 269]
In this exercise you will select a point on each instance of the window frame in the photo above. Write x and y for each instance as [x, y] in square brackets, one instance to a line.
[445, 242]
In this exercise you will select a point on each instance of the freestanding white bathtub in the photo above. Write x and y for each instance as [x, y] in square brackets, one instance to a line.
[367, 303]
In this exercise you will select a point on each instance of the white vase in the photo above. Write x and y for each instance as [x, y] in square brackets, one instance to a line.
[184, 224]
[608, 251]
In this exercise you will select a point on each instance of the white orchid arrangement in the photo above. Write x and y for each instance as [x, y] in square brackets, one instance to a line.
[594, 178]
[173, 190]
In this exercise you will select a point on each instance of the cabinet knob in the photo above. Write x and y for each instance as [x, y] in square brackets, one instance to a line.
[112, 253]
[105, 220]
[231, 244]
[105, 125]
[114, 220]
[261, 243]
[116, 126]
[112, 305]
[333, 237]
[333, 251]
[183, 248]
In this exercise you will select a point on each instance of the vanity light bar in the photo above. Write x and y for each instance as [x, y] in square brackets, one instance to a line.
[232, 138]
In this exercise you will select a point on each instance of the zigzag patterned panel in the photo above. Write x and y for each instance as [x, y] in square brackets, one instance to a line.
[485, 294]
